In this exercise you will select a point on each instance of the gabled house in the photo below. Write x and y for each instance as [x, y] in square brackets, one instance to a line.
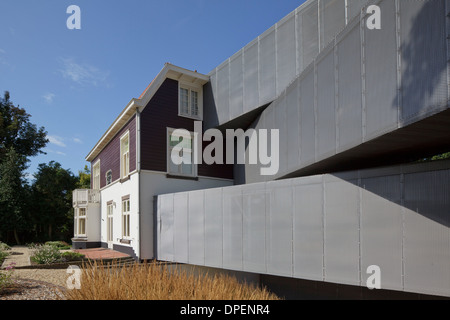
[130, 164]
[355, 108]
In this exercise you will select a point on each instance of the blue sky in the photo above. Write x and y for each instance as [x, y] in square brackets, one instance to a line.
[76, 82]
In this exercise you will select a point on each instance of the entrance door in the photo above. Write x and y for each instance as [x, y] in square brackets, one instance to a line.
[109, 225]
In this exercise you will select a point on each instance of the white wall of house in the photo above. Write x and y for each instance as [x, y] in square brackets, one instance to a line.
[155, 183]
[114, 193]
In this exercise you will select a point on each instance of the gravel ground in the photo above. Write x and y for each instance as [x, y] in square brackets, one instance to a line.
[33, 284]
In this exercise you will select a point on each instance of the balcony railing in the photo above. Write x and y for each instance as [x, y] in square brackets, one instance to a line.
[85, 196]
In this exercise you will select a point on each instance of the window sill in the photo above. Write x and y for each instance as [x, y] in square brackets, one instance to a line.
[174, 176]
[122, 180]
[190, 117]
[125, 241]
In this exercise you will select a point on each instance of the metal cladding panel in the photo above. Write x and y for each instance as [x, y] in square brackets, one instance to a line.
[307, 124]
[341, 203]
[332, 20]
[180, 227]
[423, 58]
[232, 228]
[267, 67]
[381, 229]
[280, 123]
[310, 33]
[381, 74]
[293, 125]
[326, 114]
[286, 52]
[354, 8]
[254, 227]
[166, 220]
[223, 93]
[236, 86]
[279, 228]
[251, 71]
[308, 228]
[349, 90]
[213, 227]
[426, 233]
[196, 227]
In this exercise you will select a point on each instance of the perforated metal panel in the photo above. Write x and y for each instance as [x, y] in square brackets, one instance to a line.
[279, 228]
[424, 59]
[267, 66]
[180, 227]
[341, 210]
[307, 118]
[381, 227]
[326, 113]
[381, 96]
[286, 52]
[254, 227]
[236, 86]
[310, 34]
[213, 227]
[223, 93]
[332, 20]
[196, 227]
[308, 228]
[251, 71]
[232, 228]
[292, 130]
[349, 115]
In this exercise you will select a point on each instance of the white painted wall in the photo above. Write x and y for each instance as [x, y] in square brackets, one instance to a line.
[115, 192]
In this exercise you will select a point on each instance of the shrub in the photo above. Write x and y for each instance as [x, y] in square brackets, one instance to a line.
[45, 254]
[155, 281]
[61, 245]
[72, 256]
[6, 276]
[3, 255]
[4, 247]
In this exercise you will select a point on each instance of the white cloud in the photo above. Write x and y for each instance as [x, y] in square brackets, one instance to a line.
[82, 74]
[76, 140]
[49, 97]
[57, 152]
[56, 141]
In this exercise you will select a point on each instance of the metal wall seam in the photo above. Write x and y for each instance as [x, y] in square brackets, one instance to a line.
[336, 95]
[402, 202]
[324, 199]
[315, 111]
[363, 78]
[360, 191]
[399, 63]
[447, 22]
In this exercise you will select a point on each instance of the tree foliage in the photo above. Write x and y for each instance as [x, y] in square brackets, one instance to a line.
[17, 132]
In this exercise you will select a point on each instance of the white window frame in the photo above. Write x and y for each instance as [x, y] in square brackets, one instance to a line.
[125, 164]
[79, 219]
[126, 217]
[194, 169]
[191, 88]
[109, 222]
[106, 177]
[96, 175]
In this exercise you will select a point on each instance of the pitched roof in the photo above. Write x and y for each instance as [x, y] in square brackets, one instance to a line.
[169, 71]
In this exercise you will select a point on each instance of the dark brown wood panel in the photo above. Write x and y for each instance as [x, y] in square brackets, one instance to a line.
[162, 113]
[110, 155]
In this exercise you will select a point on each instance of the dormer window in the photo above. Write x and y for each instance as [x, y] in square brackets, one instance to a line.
[190, 102]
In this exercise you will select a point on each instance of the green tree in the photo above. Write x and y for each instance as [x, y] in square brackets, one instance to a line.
[16, 131]
[52, 189]
[84, 178]
[13, 194]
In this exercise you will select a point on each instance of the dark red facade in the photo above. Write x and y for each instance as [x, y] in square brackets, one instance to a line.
[160, 113]
[110, 155]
